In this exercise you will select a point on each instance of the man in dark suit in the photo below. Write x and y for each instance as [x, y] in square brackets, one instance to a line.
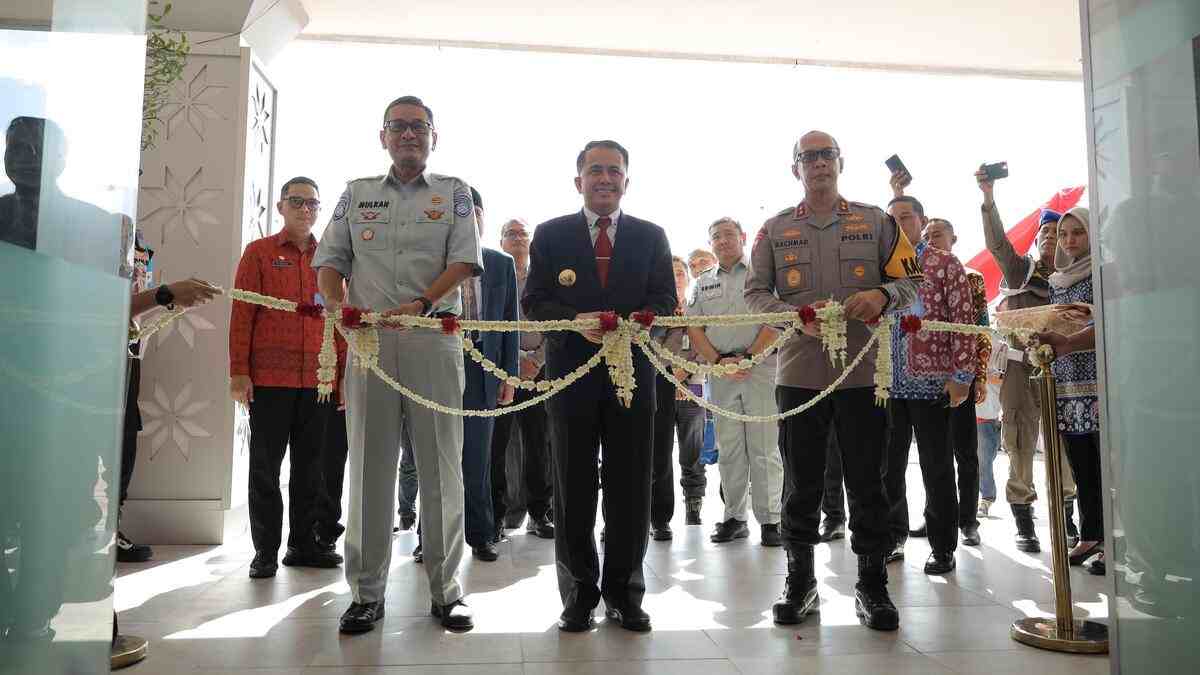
[595, 260]
[490, 297]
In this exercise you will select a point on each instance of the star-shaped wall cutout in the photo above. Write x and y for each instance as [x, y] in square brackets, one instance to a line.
[260, 118]
[182, 203]
[171, 420]
[193, 105]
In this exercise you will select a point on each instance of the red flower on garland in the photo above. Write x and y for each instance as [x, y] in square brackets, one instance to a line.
[310, 310]
[910, 324]
[808, 314]
[875, 321]
[645, 318]
[450, 324]
[608, 321]
[352, 317]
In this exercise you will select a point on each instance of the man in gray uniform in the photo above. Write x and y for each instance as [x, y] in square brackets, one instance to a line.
[405, 240]
[829, 247]
[749, 461]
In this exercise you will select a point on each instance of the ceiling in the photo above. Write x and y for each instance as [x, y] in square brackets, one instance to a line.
[1015, 38]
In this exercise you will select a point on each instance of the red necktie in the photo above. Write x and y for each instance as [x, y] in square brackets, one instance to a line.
[603, 249]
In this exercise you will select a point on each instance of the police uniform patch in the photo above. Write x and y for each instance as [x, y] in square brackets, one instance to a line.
[434, 214]
[368, 234]
[369, 215]
[343, 205]
[790, 258]
[860, 271]
[792, 233]
[436, 200]
[801, 211]
[462, 203]
[793, 278]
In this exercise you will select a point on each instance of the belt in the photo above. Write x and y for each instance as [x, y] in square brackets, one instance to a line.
[443, 315]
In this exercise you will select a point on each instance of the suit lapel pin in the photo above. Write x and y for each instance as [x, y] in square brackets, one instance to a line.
[566, 277]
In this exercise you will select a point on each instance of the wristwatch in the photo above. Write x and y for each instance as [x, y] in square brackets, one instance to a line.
[164, 297]
[426, 304]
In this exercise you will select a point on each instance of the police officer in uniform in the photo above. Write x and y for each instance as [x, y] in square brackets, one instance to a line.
[406, 241]
[829, 247]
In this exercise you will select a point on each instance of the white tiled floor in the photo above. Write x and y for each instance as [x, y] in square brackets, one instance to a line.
[710, 606]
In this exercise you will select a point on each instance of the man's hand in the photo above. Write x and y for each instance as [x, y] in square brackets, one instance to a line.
[529, 368]
[507, 391]
[681, 375]
[1074, 312]
[899, 181]
[241, 389]
[957, 392]
[739, 376]
[980, 391]
[866, 305]
[593, 335]
[413, 308]
[1056, 340]
[985, 186]
[192, 292]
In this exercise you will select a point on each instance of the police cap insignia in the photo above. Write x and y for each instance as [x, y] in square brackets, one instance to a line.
[462, 203]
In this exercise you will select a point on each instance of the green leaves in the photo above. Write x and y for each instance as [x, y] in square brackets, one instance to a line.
[166, 55]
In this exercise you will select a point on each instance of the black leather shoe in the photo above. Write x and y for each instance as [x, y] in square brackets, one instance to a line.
[361, 617]
[263, 566]
[486, 552]
[971, 536]
[729, 530]
[1026, 539]
[417, 556]
[455, 616]
[1079, 558]
[540, 527]
[940, 563]
[129, 552]
[921, 531]
[832, 529]
[575, 620]
[770, 535]
[630, 617]
[407, 520]
[314, 558]
[661, 532]
[896, 554]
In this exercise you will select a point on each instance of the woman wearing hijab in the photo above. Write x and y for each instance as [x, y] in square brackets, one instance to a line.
[1074, 370]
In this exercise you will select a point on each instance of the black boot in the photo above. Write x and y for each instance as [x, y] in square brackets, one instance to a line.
[799, 590]
[1027, 540]
[1072, 531]
[871, 602]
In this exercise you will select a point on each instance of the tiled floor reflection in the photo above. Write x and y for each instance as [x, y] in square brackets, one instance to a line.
[709, 603]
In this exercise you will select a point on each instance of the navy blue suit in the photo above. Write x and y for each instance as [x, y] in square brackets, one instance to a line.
[587, 414]
[498, 303]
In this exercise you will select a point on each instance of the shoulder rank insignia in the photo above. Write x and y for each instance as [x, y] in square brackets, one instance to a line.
[843, 206]
[801, 211]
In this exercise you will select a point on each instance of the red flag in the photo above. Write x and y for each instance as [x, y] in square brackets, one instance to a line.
[1022, 236]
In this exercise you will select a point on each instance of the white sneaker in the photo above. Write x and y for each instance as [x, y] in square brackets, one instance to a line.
[984, 507]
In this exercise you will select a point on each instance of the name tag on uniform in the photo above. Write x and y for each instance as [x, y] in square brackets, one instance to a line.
[712, 291]
[281, 263]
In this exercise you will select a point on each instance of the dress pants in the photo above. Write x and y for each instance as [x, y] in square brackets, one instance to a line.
[477, 458]
[964, 439]
[1020, 402]
[803, 441]
[406, 502]
[283, 418]
[1083, 452]
[431, 365]
[833, 504]
[685, 420]
[133, 425]
[333, 475]
[535, 458]
[931, 421]
[750, 461]
[586, 416]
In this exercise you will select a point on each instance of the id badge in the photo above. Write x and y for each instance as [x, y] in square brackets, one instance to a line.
[687, 341]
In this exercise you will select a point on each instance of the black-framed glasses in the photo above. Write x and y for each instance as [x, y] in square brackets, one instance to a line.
[515, 234]
[810, 156]
[418, 127]
[301, 202]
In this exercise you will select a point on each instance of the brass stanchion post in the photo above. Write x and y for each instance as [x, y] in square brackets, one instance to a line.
[1063, 633]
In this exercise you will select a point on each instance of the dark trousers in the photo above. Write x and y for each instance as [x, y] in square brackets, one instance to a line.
[283, 418]
[803, 442]
[406, 494]
[333, 474]
[129, 432]
[535, 458]
[587, 416]
[685, 420]
[964, 438]
[931, 421]
[477, 459]
[1083, 452]
[834, 501]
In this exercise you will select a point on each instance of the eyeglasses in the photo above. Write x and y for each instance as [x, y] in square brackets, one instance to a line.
[301, 202]
[810, 156]
[418, 127]
[515, 234]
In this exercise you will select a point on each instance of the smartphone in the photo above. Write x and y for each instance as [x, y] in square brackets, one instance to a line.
[895, 165]
[996, 171]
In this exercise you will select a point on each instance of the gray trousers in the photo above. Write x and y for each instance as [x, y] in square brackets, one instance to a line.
[430, 364]
[750, 463]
